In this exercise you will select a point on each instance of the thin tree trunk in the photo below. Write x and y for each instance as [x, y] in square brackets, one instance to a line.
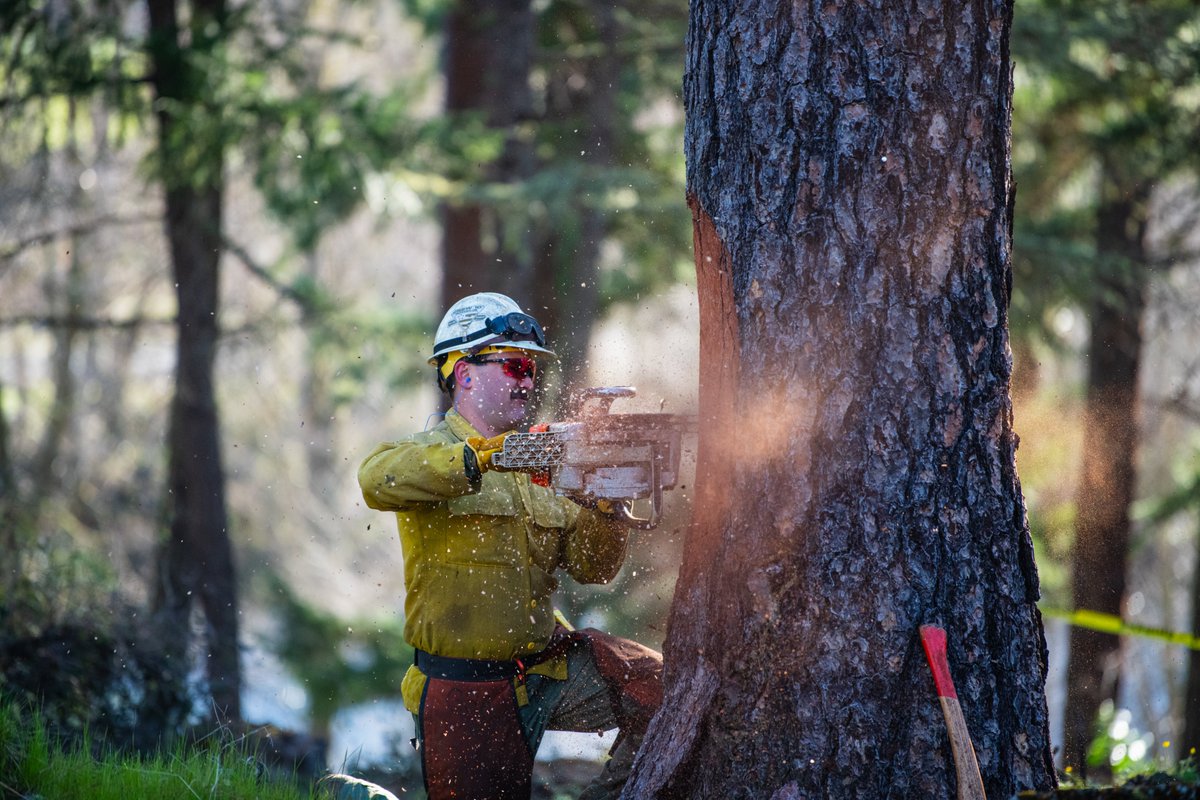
[197, 564]
[9, 504]
[1191, 711]
[848, 176]
[317, 406]
[1106, 486]
[62, 407]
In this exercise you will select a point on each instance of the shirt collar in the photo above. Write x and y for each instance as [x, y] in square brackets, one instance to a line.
[459, 426]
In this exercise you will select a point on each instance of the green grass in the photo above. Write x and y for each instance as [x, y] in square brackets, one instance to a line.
[33, 765]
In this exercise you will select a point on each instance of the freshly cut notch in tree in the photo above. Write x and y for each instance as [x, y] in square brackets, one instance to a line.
[966, 767]
[848, 175]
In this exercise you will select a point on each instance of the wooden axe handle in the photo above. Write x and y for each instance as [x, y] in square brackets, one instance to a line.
[970, 783]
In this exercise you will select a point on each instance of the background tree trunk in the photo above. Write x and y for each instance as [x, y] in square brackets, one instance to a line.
[582, 94]
[1191, 697]
[1107, 484]
[48, 470]
[197, 563]
[848, 173]
[9, 537]
[489, 52]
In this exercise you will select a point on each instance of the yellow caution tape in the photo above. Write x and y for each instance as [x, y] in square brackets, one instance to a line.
[1111, 623]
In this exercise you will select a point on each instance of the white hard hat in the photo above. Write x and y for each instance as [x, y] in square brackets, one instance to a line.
[486, 319]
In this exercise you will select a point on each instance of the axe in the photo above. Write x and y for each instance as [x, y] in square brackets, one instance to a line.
[970, 783]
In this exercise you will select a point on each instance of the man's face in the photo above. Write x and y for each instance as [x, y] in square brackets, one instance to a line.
[494, 391]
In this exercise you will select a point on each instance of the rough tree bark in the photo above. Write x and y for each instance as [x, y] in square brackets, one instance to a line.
[489, 51]
[197, 567]
[849, 180]
[1107, 480]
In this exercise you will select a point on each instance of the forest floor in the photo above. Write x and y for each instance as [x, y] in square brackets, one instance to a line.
[566, 778]
[1183, 785]
[552, 780]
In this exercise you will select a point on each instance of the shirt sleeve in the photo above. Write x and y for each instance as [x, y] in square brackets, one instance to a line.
[594, 547]
[397, 476]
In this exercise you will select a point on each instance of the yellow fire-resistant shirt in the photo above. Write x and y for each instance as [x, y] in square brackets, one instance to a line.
[479, 560]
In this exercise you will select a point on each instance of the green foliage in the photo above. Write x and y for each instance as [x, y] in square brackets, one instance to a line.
[240, 88]
[1185, 497]
[63, 51]
[340, 662]
[1116, 743]
[91, 672]
[34, 764]
[640, 191]
[1103, 90]
[1173, 784]
[87, 661]
[632, 180]
[372, 343]
[314, 152]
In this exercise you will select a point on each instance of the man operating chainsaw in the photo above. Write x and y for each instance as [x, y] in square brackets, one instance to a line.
[494, 669]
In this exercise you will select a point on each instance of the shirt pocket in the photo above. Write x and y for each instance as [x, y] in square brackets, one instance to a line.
[549, 519]
[547, 509]
[483, 529]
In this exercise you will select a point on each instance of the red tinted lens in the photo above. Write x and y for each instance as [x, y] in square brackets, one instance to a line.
[518, 368]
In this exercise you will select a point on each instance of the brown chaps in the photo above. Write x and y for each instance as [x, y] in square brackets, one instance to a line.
[477, 739]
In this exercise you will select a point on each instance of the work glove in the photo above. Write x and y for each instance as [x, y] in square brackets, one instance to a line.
[481, 449]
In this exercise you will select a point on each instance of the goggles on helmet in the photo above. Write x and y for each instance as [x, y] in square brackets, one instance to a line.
[514, 327]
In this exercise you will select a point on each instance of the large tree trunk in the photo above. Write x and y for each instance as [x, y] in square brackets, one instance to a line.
[489, 52]
[197, 563]
[1106, 487]
[849, 180]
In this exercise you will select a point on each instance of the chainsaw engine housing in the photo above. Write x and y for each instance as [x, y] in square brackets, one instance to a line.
[616, 457]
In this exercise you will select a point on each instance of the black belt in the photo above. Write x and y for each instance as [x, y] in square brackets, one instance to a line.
[465, 669]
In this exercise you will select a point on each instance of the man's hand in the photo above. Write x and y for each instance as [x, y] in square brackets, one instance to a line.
[483, 448]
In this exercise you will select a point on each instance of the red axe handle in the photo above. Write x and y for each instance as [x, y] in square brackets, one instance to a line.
[970, 783]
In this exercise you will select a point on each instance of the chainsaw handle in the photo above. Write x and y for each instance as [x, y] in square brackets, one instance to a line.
[604, 397]
[626, 518]
[624, 513]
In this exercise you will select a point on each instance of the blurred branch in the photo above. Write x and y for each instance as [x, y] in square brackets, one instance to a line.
[1173, 259]
[8, 253]
[56, 322]
[1180, 405]
[302, 300]
[81, 323]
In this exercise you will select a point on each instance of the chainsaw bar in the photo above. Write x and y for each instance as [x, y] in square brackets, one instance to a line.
[524, 452]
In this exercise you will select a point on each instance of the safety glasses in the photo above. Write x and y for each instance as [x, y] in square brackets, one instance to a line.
[518, 368]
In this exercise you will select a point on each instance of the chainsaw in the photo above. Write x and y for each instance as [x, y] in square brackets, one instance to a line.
[599, 455]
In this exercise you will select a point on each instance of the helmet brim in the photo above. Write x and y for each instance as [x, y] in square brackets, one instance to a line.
[498, 341]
